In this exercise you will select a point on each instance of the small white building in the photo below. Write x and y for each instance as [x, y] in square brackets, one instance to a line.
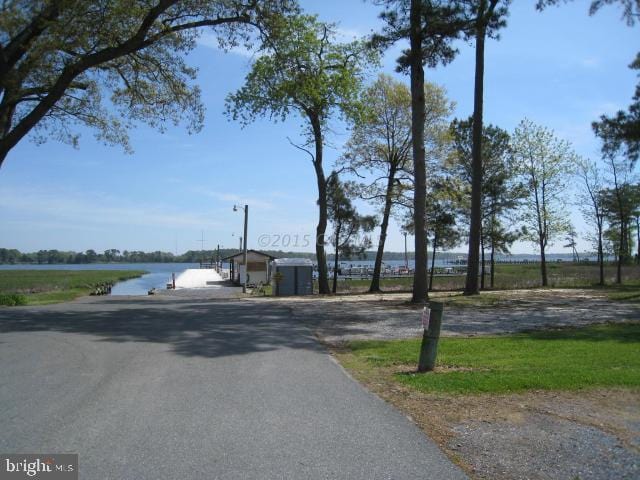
[258, 270]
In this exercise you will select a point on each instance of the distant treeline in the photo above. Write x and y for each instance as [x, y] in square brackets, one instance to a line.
[56, 257]
[52, 257]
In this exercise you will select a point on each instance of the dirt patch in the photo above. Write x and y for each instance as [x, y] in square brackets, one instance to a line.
[589, 434]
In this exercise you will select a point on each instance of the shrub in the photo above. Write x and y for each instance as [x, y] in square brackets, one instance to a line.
[13, 300]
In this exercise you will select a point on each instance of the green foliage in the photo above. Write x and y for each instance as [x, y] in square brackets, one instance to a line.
[59, 58]
[303, 71]
[349, 227]
[630, 8]
[620, 206]
[566, 359]
[502, 189]
[380, 142]
[621, 132]
[12, 300]
[441, 24]
[546, 164]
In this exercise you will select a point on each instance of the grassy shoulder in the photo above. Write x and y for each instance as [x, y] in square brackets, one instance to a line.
[39, 287]
[566, 359]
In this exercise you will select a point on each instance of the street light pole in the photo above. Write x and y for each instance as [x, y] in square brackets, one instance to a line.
[406, 257]
[244, 253]
[246, 266]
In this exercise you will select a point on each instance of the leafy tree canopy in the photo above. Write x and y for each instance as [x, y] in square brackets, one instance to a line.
[59, 58]
[305, 72]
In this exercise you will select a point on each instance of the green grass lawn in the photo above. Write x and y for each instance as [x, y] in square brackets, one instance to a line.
[37, 287]
[567, 359]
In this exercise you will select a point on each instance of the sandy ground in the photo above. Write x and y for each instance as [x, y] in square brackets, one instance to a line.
[350, 317]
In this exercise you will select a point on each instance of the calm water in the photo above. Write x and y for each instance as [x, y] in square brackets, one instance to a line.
[159, 274]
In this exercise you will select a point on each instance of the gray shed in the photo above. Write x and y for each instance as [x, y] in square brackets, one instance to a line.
[292, 276]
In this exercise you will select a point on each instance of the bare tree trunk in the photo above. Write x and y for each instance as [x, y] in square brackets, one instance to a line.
[471, 287]
[420, 294]
[482, 265]
[493, 266]
[620, 252]
[377, 268]
[433, 260]
[638, 240]
[543, 264]
[336, 260]
[321, 256]
[600, 255]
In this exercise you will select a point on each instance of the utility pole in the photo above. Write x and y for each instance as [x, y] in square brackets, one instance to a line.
[246, 266]
[244, 250]
[406, 257]
[201, 247]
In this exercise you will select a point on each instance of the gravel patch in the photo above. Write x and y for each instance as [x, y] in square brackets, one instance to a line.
[337, 319]
[544, 447]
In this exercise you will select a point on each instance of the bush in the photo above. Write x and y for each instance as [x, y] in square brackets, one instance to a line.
[13, 300]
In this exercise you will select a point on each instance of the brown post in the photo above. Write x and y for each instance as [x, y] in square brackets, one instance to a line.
[430, 337]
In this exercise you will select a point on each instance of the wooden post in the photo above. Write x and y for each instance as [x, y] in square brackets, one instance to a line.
[430, 337]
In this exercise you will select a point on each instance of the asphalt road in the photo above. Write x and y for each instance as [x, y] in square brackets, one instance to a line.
[187, 389]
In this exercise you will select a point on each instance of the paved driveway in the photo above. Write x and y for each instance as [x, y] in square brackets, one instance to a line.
[169, 388]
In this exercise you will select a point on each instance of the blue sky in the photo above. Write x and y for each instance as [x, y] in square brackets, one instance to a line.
[560, 68]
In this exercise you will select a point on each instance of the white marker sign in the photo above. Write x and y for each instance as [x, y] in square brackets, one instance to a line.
[426, 314]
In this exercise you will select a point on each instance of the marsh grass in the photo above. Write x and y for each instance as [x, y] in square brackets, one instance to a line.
[36, 287]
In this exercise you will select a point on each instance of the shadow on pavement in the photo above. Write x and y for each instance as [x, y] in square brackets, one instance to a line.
[191, 328]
